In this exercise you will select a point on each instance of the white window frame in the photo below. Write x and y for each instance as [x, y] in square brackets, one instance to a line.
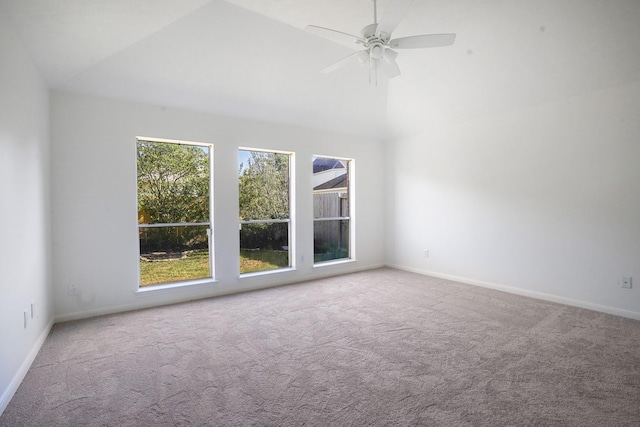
[351, 165]
[290, 221]
[209, 224]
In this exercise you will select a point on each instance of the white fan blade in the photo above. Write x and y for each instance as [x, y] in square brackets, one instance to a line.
[425, 40]
[389, 65]
[335, 36]
[341, 62]
[391, 69]
[362, 57]
[392, 17]
[390, 55]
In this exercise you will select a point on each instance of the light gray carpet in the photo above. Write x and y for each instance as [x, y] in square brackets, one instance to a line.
[382, 347]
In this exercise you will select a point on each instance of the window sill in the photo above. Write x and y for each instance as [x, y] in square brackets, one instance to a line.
[266, 273]
[336, 262]
[175, 287]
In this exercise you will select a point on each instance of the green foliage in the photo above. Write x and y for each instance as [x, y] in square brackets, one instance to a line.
[173, 182]
[194, 266]
[264, 236]
[253, 261]
[264, 186]
[173, 187]
[263, 195]
[173, 239]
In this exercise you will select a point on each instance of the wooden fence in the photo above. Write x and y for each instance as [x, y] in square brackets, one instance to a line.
[331, 205]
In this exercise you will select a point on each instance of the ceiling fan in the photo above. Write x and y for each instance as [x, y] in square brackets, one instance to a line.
[377, 42]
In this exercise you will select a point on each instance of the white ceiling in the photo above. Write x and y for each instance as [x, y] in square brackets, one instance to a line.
[251, 58]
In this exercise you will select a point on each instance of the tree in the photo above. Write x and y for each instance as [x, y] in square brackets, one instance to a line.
[264, 195]
[264, 186]
[173, 187]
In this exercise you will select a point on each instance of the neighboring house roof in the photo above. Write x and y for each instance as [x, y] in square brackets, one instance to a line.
[337, 182]
[321, 164]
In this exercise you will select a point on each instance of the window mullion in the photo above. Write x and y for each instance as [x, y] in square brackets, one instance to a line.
[173, 224]
[264, 221]
[333, 218]
[332, 210]
[175, 184]
[265, 185]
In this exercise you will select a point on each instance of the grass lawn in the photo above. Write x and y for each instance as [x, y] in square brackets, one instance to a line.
[261, 260]
[196, 266]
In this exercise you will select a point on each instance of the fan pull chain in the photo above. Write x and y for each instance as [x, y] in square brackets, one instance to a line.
[375, 70]
[373, 65]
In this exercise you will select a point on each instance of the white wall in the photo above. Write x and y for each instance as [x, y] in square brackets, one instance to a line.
[24, 212]
[543, 201]
[94, 199]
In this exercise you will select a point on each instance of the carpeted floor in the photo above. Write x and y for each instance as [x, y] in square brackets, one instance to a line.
[381, 347]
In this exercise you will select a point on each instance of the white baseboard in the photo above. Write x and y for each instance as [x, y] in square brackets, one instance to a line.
[321, 272]
[527, 293]
[7, 394]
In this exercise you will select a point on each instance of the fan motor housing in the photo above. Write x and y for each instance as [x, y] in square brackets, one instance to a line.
[376, 50]
[369, 31]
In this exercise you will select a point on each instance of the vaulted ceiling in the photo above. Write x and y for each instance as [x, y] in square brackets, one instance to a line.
[252, 58]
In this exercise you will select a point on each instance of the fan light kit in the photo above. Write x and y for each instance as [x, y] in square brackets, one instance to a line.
[377, 42]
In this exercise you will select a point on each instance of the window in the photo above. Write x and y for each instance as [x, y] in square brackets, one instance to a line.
[332, 206]
[174, 211]
[265, 210]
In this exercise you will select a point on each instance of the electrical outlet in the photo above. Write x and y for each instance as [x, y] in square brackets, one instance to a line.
[73, 289]
[426, 253]
[625, 282]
